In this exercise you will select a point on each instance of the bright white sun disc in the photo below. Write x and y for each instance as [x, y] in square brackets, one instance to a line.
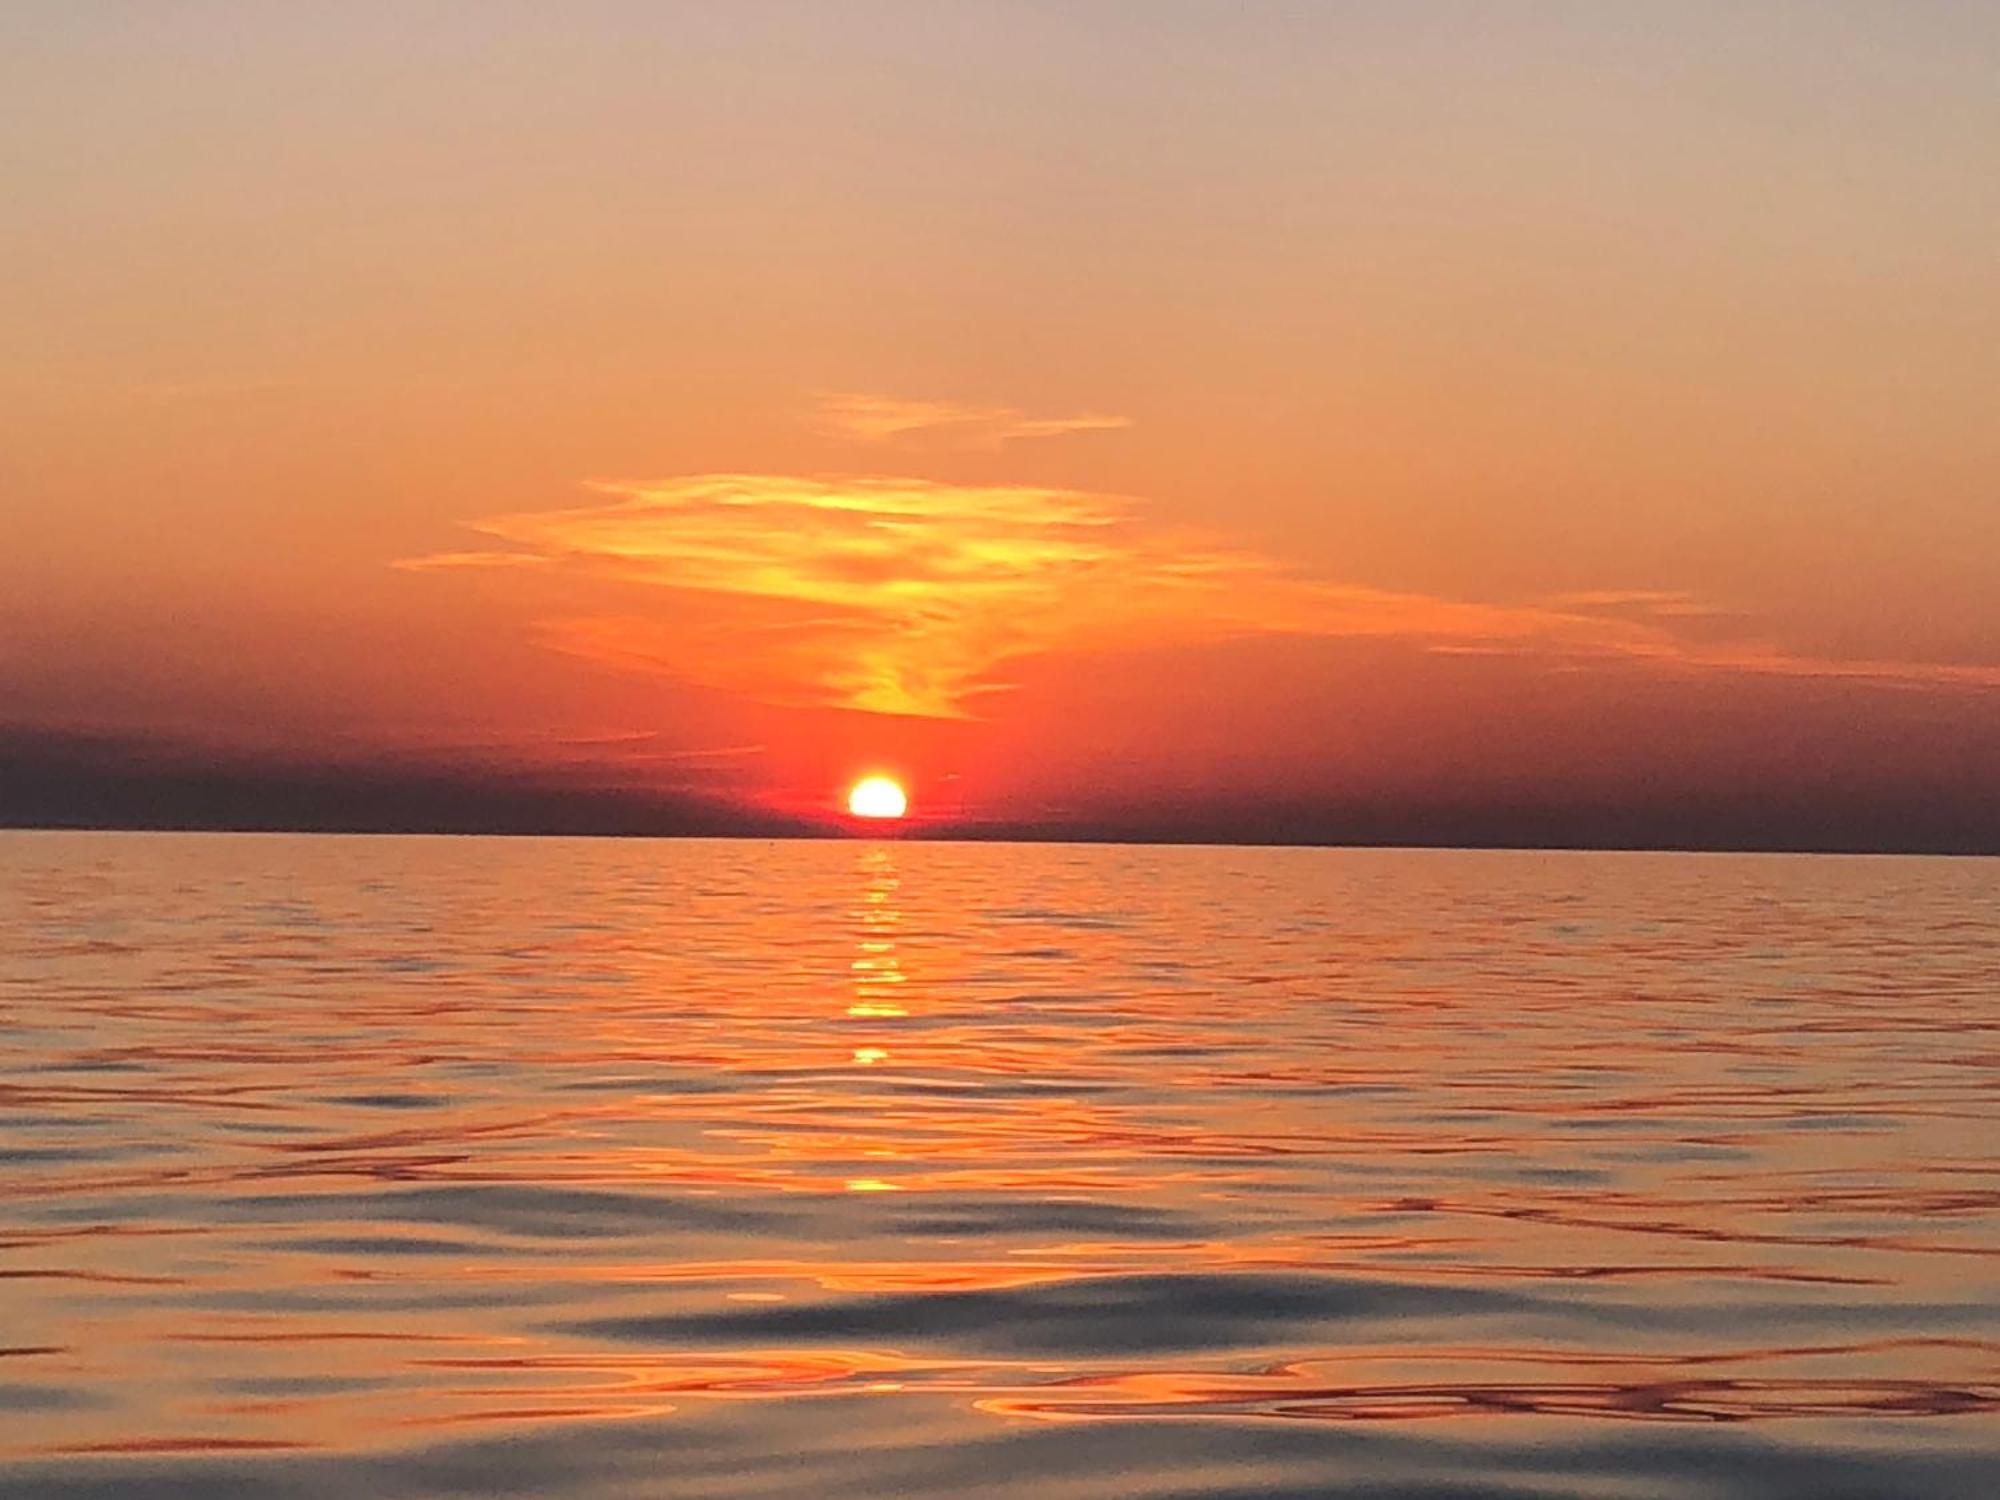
[877, 797]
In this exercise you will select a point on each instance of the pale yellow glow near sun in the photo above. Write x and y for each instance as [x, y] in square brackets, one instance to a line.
[877, 797]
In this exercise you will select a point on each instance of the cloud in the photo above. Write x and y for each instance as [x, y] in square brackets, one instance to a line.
[445, 561]
[1660, 603]
[862, 418]
[905, 596]
[69, 779]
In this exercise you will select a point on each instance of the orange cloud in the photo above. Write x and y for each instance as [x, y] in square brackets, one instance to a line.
[886, 419]
[1663, 603]
[905, 596]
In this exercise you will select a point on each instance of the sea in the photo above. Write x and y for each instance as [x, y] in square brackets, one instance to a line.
[424, 1167]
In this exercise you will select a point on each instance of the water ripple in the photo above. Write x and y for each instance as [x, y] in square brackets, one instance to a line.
[427, 1167]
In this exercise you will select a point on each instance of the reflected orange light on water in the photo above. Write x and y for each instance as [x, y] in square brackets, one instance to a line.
[1050, 1134]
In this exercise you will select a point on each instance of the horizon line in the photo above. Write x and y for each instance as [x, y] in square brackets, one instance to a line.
[1129, 839]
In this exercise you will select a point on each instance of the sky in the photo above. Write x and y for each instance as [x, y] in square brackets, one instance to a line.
[1409, 422]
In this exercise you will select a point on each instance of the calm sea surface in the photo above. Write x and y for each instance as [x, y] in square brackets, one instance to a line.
[415, 1167]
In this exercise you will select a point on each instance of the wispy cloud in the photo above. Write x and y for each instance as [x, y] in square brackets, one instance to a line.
[862, 418]
[440, 562]
[906, 596]
[1659, 603]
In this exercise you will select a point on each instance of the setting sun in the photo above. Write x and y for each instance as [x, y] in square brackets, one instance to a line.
[877, 797]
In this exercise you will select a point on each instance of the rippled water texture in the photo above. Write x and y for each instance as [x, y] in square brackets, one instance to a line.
[400, 1167]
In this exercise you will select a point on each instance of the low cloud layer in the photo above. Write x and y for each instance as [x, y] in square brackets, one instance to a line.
[862, 418]
[904, 596]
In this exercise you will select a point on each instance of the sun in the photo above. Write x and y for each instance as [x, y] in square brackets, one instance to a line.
[877, 797]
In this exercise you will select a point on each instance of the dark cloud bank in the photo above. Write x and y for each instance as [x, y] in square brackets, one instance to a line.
[65, 780]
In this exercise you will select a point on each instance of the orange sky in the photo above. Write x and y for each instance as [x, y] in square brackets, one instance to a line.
[1082, 410]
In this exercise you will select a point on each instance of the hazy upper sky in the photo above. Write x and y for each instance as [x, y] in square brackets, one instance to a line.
[1074, 407]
